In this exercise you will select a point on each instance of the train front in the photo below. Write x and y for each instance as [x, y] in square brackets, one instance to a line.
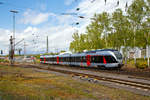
[119, 58]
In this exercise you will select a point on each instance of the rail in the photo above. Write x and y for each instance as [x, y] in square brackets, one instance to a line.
[145, 86]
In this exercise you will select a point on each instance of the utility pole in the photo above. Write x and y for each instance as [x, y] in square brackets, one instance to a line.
[11, 52]
[14, 12]
[24, 48]
[134, 46]
[47, 46]
[147, 49]
[1, 52]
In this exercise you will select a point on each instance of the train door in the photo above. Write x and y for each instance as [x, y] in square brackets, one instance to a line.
[57, 60]
[88, 60]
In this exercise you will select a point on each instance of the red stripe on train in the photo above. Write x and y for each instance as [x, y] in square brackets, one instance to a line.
[57, 60]
[104, 60]
[88, 57]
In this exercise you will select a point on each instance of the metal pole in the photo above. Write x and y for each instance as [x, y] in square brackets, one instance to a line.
[134, 48]
[14, 37]
[148, 51]
[24, 49]
[147, 55]
[14, 12]
[11, 52]
[47, 45]
[14, 29]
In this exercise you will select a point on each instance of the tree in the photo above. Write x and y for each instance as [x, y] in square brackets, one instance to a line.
[121, 33]
[98, 30]
[121, 29]
[74, 45]
[79, 43]
[136, 13]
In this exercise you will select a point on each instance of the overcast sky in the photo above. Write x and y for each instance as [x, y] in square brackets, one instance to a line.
[40, 18]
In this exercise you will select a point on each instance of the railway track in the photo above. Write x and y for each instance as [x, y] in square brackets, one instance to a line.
[139, 85]
[134, 73]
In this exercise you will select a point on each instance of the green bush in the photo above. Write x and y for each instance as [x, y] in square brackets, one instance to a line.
[141, 64]
[4, 60]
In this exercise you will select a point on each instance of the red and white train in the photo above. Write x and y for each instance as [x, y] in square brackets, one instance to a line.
[105, 58]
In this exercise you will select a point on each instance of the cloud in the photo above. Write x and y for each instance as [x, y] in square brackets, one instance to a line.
[35, 38]
[88, 9]
[30, 29]
[4, 40]
[35, 18]
[60, 36]
[59, 29]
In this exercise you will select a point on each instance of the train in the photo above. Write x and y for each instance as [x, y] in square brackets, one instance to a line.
[103, 58]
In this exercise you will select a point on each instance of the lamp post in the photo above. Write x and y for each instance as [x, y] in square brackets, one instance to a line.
[14, 12]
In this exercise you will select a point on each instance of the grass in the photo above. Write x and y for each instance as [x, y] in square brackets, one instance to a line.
[27, 84]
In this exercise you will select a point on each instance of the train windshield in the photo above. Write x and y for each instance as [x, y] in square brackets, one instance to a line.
[118, 54]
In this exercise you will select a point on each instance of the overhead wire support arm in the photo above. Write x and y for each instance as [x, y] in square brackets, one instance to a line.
[19, 42]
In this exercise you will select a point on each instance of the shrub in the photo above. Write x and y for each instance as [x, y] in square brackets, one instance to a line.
[4, 60]
[141, 64]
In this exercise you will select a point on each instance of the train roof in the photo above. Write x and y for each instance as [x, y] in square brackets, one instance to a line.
[64, 55]
[46, 56]
[99, 50]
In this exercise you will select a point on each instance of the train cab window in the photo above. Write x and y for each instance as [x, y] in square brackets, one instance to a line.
[110, 59]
